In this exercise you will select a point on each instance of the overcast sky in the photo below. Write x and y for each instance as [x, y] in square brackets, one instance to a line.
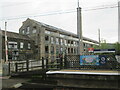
[48, 11]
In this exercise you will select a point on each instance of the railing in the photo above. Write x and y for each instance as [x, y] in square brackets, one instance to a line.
[29, 65]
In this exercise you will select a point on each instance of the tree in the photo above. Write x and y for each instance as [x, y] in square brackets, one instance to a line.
[117, 48]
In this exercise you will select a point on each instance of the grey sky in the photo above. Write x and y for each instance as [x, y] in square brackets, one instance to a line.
[105, 19]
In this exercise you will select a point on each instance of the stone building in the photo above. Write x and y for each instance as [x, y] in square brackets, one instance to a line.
[20, 47]
[52, 42]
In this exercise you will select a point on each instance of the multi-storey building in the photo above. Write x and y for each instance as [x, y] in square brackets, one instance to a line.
[51, 42]
[20, 47]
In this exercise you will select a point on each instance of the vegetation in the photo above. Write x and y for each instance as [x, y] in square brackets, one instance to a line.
[105, 45]
[117, 48]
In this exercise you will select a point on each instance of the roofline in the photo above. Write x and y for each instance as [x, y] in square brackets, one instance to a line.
[52, 28]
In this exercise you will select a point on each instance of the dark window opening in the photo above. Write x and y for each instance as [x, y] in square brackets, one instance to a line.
[71, 50]
[46, 38]
[68, 50]
[46, 49]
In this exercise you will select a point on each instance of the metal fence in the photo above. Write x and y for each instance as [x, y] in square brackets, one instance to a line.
[74, 62]
[31, 65]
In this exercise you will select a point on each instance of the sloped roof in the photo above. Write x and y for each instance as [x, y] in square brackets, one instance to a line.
[15, 35]
[52, 28]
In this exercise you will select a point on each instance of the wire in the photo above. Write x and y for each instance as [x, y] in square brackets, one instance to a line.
[61, 12]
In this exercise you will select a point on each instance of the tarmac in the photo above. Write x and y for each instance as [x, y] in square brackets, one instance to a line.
[8, 82]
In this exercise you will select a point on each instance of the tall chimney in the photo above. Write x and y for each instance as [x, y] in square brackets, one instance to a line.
[119, 21]
[79, 30]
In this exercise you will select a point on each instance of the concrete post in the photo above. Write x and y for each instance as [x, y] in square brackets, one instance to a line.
[79, 31]
[119, 21]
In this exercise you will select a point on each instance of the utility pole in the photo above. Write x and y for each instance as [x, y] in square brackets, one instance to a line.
[6, 47]
[79, 30]
[99, 36]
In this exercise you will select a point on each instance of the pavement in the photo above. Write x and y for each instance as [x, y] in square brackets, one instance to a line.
[12, 82]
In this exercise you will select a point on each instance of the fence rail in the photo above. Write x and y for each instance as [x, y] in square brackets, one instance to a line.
[68, 62]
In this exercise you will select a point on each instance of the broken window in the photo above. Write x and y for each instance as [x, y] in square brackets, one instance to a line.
[46, 49]
[71, 50]
[68, 50]
[72, 42]
[34, 29]
[69, 42]
[46, 38]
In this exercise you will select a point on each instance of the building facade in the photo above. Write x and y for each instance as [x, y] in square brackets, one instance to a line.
[20, 47]
[52, 42]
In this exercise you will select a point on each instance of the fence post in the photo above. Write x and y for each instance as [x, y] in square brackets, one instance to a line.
[27, 65]
[61, 63]
[46, 63]
[16, 67]
[65, 62]
[42, 62]
[9, 71]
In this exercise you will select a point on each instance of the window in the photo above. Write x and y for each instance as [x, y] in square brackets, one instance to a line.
[68, 50]
[65, 42]
[52, 49]
[29, 46]
[69, 42]
[52, 39]
[61, 41]
[46, 49]
[23, 31]
[21, 45]
[47, 32]
[34, 29]
[61, 35]
[71, 50]
[57, 50]
[57, 40]
[46, 38]
[61, 50]
[28, 30]
[12, 45]
[72, 43]
[75, 50]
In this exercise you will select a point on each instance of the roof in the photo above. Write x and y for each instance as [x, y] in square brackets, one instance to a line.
[52, 28]
[15, 35]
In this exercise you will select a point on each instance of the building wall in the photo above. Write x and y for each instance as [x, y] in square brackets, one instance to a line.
[16, 52]
[50, 42]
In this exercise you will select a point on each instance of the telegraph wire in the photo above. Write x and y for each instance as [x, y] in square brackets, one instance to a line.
[61, 12]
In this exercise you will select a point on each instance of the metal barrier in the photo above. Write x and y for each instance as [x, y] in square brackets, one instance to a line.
[30, 65]
[73, 62]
